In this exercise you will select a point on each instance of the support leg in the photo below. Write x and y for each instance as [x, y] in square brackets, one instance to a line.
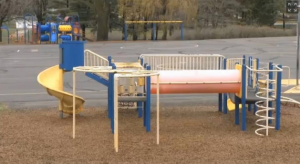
[237, 111]
[112, 103]
[140, 107]
[220, 102]
[250, 107]
[148, 104]
[225, 104]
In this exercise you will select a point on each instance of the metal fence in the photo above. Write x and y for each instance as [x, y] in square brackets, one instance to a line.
[184, 61]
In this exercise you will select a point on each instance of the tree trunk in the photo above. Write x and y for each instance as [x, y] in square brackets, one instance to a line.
[145, 29]
[165, 32]
[102, 21]
[151, 31]
[1, 35]
[83, 32]
[40, 18]
[134, 35]
[156, 31]
[171, 29]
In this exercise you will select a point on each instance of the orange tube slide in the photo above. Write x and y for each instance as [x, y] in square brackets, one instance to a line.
[217, 81]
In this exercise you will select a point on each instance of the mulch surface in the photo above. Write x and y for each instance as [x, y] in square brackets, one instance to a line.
[187, 135]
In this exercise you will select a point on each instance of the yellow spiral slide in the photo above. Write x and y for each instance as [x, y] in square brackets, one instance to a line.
[53, 80]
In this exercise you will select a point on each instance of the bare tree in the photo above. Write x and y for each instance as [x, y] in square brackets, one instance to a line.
[100, 10]
[39, 7]
[217, 12]
[7, 9]
[159, 10]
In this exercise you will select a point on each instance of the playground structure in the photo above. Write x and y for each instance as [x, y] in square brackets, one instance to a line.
[67, 29]
[4, 27]
[130, 85]
[154, 27]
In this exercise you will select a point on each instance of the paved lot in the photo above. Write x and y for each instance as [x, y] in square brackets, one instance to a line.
[20, 65]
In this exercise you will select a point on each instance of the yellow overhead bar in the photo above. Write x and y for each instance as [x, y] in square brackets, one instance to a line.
[130, 22]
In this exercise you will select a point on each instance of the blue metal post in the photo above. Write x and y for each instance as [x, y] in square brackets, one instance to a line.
[108, 89]
[125, 31]
[278, 99]
[220, 94]
[142, 61]
[244, 90]
[182, 31]
[225, 94]
[271, 86]
[220, 102]
[148, 105]
[237, 110]
[140, 106]
[145, 103]
[154, 31]
[244, 59]
[257, 77]
[112, 105]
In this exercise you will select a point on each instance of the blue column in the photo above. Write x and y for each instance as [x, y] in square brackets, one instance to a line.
[112, 104]
[244, 90]
[108, 88]
[220, 102]
[271, 86]
[225, 94]
[237, 110]
[125, 31]
[154, 31]
[142, 61]
[220, 94]
[182, 31]
[278, 100]
[140, 106]
[148, 105]
[244, 59]
[145, 103]
[257, 77]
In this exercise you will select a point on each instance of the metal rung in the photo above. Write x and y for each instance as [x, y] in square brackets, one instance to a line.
[132, 99]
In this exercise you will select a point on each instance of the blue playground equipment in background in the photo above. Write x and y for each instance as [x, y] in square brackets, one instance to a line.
[4, 27]
[64, 30]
